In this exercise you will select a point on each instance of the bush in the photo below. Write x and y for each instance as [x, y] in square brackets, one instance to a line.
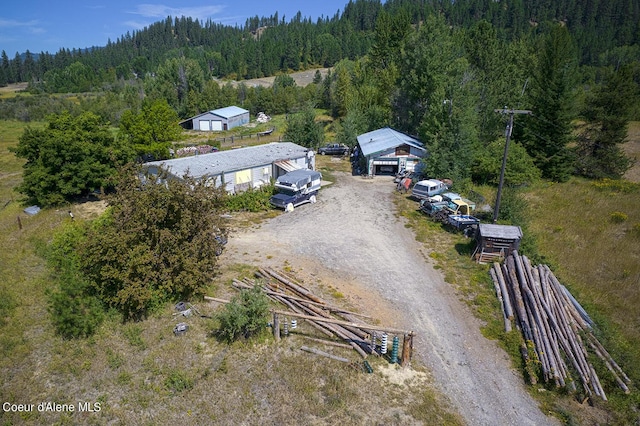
[252, 200]
[615, 185]
[74, 311]
[158, 242]
[618, 217]
[178, 381]
[245, 316]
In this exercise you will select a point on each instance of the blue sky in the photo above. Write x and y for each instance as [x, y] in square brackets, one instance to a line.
[50, 24]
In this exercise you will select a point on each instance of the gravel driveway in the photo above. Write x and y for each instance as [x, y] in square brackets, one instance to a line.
[352, 241]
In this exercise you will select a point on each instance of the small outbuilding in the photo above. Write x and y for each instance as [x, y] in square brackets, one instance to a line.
[496, 242]
[239, 169]
[217, 119]
[387, 151]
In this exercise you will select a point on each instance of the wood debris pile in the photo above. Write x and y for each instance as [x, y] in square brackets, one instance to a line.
[554, 323]
[331, 321]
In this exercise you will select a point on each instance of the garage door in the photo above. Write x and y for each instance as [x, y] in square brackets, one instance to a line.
[205, 125]
[216, 125]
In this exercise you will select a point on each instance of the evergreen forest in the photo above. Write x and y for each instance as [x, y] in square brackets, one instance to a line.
[437, 70]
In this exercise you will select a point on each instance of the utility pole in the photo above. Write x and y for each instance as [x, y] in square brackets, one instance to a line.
[511, 113]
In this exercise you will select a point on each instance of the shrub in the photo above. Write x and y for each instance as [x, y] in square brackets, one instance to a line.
[615, 185]
[246, 315]
[251, 200]
[158, 242]
[178, 381]
[74, 311]
[618, 217]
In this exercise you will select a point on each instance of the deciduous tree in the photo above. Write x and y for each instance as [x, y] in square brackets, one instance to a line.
[150, 130]
[70, 157]
[158, 242]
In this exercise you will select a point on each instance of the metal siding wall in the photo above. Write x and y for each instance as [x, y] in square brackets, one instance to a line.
[258, 178]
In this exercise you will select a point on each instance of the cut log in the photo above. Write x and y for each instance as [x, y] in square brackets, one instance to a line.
[324, 354]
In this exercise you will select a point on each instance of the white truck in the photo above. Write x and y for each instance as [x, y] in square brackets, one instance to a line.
[428, 188]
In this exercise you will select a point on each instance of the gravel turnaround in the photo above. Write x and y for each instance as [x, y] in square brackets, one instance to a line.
[352, 237]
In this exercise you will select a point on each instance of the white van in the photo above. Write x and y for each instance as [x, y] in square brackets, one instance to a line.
[428, 188]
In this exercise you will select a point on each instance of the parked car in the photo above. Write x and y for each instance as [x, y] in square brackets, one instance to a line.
[334, 149]
[295, 188]
[428, 188]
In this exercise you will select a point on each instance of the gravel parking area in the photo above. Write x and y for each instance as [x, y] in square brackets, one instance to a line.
[352, 241]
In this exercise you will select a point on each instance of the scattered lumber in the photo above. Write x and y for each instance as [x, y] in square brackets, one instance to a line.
[322, 353]
[554, 324]
[336, 323]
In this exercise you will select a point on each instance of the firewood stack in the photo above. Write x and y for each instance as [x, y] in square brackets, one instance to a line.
[553, 324]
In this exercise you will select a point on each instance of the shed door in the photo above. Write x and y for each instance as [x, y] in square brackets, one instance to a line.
[216, 125]
[205, 125]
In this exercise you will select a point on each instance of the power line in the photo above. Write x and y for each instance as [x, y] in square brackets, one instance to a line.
[512, 113]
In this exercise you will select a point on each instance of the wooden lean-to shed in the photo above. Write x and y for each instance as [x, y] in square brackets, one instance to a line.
[495, 242]
[217, 119]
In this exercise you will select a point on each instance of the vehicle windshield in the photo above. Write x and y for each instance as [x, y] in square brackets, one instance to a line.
[287, 191]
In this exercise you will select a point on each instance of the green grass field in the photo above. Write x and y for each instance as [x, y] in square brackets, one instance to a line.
[141, 374]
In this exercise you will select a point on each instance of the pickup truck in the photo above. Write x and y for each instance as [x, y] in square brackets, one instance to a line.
[334, 149]
[295, 188]
[463, 222]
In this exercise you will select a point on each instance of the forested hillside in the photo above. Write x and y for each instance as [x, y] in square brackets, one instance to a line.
[266, 45]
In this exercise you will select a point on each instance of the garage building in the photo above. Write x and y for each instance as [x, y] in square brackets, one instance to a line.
[239, 169]
[386, 151]
[217, 120]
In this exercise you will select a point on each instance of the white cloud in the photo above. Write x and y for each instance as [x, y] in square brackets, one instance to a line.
[137, 25]
[162, 11]
[32, 26]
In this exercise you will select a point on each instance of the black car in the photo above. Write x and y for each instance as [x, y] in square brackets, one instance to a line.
[334, 149]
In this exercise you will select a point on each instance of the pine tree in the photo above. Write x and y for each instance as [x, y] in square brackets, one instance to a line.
[598, 149]
[548, 133]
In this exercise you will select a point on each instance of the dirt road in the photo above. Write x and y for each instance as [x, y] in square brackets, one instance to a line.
[352, 241]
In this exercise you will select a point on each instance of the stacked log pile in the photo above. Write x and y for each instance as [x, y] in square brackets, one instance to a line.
[554, 324]
[331, 321]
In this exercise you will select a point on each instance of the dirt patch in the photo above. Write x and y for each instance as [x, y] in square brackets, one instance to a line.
[351, 244]
[302, 79]
[13, 88]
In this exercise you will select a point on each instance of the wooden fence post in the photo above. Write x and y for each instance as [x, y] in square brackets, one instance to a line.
[407, 349]
[276, 327]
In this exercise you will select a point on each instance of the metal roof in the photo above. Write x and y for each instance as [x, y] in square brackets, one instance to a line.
[228, 112]
[216, 163]
[507, 232]
[383, 139]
